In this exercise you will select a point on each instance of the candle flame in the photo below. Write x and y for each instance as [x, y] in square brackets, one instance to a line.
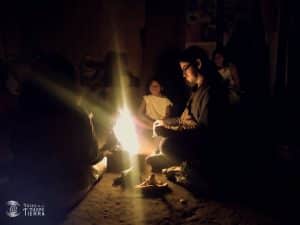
[125, 132]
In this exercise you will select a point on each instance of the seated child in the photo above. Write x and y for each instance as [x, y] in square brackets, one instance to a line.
[154, 106]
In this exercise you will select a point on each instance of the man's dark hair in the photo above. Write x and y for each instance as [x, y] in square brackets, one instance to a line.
[207, 69]
[191, 54]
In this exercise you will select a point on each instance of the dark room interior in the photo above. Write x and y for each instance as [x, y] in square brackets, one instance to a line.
[104, 110]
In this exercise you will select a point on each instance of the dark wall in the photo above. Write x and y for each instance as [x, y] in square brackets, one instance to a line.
[74, 28]
[163, 37]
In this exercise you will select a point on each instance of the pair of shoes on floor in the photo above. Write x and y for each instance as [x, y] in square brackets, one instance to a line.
[187, 176]
[152, 186]
[151, 181]
[176, 174]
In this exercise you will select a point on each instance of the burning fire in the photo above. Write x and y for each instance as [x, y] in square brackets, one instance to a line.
[125, 132]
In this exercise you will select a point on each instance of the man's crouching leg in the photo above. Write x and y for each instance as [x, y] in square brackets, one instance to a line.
[164, 158]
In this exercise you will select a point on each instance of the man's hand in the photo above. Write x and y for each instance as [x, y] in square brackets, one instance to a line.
[158, 123]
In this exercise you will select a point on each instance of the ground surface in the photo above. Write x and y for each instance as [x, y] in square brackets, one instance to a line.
[109, 205]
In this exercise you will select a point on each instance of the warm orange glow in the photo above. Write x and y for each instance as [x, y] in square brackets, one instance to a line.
[125, 132]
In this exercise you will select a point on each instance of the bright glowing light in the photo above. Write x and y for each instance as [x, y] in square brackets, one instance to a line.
[125, 131]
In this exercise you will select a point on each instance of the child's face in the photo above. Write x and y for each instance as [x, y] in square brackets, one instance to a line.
[219, 60]
[155, 88]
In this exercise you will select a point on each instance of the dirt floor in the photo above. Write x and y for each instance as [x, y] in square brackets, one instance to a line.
[107, 205]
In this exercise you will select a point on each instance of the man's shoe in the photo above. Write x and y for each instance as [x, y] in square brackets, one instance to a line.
[152, 186]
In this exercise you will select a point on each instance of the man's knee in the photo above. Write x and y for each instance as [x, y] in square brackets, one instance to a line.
[182, 149]
[166, 146]
[173, 148]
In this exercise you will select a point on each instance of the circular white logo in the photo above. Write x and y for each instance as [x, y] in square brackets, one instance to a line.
[13, 208]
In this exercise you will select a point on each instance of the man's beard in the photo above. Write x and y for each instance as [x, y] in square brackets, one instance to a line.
[190, 84]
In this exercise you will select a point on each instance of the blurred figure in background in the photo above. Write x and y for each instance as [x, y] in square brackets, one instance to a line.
[53, 140]
[92, 91]
[91, 76]
[229, 73]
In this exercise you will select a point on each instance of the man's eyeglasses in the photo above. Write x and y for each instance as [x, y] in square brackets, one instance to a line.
[186, 68]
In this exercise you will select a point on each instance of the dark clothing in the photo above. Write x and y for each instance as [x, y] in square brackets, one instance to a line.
[64, 139]
[54, 149]
[195, 113]
[199, 128]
